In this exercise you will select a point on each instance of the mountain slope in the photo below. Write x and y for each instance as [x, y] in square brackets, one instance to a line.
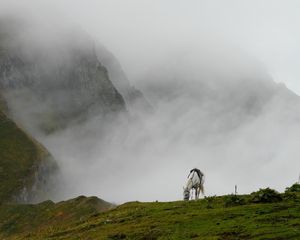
[25, 165]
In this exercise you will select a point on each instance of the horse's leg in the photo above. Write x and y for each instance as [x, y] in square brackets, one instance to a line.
[193, 194]
[196, 193]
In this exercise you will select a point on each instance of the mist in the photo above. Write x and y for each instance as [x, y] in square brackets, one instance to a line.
[214, 101]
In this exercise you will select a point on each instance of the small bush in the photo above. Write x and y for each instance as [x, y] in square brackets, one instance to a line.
[234, 200]
[266, 195]
[294, 188]
[290, 196]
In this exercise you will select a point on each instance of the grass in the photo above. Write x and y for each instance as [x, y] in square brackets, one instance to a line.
[209, 218]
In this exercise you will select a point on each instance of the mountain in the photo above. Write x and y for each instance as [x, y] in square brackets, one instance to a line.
[26, 167]
[221, 90]
[57, 80]
[51, 82]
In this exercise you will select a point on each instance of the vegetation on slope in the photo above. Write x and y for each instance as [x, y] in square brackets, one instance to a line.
[209, 218]
[20, 158]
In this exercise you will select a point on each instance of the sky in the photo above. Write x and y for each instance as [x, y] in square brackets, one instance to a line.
[218, 42]
[133, 29]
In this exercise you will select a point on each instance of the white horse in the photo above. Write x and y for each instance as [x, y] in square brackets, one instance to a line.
[195, 181]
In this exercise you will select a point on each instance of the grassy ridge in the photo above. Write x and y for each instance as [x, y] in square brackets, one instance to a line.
[20, 219]
[209, 218]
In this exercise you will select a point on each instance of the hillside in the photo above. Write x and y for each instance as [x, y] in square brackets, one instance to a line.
[25, 165]
[273, 216]
[20, 219]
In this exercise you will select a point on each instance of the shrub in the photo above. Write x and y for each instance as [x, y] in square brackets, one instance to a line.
[234, 200]
[266, 195]
[290, 196]
[294, 188]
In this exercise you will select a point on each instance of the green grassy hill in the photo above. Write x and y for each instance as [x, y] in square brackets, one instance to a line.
[261, 215]
[21, 219]
[20, 158]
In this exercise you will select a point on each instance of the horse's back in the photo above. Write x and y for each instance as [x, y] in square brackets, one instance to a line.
[195, 179]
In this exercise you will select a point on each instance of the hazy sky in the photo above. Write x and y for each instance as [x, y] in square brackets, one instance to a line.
[140, 31]
[133, 29]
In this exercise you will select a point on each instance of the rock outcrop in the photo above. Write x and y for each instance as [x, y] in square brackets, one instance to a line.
[133, 97]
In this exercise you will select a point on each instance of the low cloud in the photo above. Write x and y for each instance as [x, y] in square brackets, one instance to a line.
[215, 107]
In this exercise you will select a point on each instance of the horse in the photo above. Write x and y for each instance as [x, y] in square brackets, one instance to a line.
[195, 181]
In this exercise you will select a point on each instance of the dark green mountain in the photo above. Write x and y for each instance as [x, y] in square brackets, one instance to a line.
[25, 165]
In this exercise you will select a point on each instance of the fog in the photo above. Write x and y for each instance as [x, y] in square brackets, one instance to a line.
[208, 69]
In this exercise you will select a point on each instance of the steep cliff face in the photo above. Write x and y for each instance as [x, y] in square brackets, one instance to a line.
[133, 97]
[26, 166]
[51, 84]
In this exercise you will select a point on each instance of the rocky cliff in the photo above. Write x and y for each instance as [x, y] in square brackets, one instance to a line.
[55, 82]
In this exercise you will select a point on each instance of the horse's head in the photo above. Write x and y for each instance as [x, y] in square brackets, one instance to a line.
[186, 194]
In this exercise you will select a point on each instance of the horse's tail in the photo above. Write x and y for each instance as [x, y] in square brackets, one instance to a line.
[202, 184]
[202, 188]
